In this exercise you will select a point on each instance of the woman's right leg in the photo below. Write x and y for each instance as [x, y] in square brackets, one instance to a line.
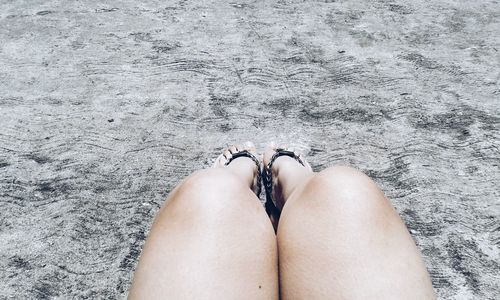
[340, 238]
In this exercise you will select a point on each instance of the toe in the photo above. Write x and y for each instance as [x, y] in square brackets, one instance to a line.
[227, 154]
[249, 146]
[232, 149]
[219, 161]
[269, 152]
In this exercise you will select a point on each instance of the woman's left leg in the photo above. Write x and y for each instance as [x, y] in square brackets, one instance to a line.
[212, 240]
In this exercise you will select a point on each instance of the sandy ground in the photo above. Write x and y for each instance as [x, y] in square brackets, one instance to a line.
[105, 107]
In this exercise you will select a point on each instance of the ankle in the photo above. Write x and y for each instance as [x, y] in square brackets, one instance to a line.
[290, 175]
[243, 168]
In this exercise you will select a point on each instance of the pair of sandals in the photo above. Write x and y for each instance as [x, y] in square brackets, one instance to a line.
[264, 175]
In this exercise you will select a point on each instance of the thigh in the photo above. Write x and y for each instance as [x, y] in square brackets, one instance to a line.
[212, 240]
[340, 238]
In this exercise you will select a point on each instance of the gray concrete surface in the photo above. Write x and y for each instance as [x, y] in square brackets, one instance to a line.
[105, 106]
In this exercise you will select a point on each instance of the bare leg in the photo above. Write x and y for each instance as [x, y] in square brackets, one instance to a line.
[212, 240]
[340, 238]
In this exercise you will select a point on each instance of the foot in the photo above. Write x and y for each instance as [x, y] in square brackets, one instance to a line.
[287, 174]
[243, 167]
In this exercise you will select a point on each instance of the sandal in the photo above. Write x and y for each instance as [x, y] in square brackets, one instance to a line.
[267, 180]
[245, 153]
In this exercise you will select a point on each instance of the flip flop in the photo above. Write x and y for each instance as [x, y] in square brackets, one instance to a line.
[267, 180]
[245, 153]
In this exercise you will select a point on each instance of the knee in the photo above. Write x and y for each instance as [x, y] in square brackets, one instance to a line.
[339, 178]
[336, 173]
[211, 182]
[345, 184]
[210, 190]
[339, 197]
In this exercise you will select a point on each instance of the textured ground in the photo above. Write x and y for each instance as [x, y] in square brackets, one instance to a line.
[104, 107]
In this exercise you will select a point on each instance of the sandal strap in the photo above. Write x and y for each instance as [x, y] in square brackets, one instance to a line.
[245, 153]
[268, 179]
